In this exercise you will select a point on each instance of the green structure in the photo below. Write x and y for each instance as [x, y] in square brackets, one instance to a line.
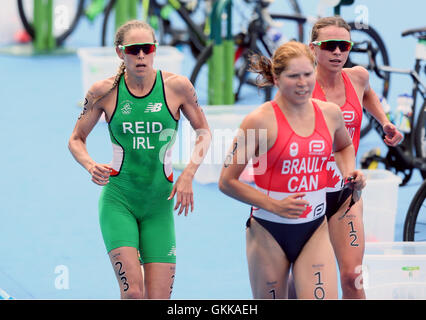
[125, 11]
[221, 64]
[43, 22]
[43, 25]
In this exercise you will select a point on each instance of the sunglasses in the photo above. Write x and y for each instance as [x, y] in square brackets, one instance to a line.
[355, 195]
[332, 44]
[135, 48]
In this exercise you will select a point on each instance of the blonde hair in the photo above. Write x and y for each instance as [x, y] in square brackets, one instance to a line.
[119, 39]
[326, 22]
[268, 68]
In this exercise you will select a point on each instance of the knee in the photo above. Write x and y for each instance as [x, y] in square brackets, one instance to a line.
[133, 293]
[351, 280]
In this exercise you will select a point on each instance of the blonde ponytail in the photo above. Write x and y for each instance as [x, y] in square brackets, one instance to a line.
[270, 68]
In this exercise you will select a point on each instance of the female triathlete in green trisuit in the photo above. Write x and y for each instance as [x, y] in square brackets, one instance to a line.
[142, 107]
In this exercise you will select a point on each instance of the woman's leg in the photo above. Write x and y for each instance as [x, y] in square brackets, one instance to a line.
[314, 271]
[128, 272]
[347, 238]
[159, 278]
[157, 243]
[267, 263]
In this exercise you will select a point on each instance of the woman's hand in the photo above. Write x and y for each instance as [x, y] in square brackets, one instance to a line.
[392, 136]
[291, 207]
[100, 173]
[184, 194]
[358, 181]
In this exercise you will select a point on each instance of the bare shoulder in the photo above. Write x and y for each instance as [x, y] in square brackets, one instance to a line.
[260, 118]
[329, 109]
[100, 88]
[180, 94]
[358, 74]
[175, 81]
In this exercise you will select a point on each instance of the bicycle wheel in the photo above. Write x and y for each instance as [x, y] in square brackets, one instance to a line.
[420, 133]
[107, 27]
[365, 38]
[162, 18]
[193, 33]
[257, 41]
[420, 136]
[61, 30]
[253, 42]
[242, 77]
[415, 220]
[395, 162]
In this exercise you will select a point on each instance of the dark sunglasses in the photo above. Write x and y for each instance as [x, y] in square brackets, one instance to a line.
[355, 195]
[135, 48]
[332, 44]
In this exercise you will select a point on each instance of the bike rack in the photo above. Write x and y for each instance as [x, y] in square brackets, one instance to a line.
[221, 64]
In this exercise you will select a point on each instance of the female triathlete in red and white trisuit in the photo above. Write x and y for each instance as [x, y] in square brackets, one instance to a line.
[289, 141]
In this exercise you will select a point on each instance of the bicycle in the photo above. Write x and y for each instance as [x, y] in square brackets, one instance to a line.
[59, 37]
[410, 154]
[415, 219]
[158, 13]
[254, 39]
[367, 44]
[73, 15]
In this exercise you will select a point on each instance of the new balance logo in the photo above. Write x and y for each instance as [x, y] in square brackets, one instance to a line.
[172, 251]
[153, 107]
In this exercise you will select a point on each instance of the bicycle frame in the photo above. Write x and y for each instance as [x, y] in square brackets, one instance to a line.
[200, 40]
[418, 85]
[256, 31]
[197, 36]
[402, 156]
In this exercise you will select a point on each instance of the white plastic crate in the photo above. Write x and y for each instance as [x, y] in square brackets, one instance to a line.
[380, 198]
[224, 121]
[395, 270]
